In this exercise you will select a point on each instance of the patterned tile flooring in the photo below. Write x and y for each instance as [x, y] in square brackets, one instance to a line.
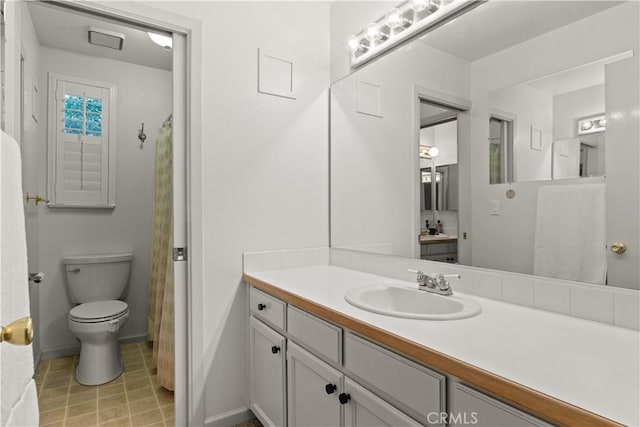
[132, 399]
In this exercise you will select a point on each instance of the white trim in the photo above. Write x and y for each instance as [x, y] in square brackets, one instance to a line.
[230, 418]
[190, 390]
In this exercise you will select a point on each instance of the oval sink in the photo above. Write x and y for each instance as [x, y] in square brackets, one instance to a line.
[411, 303]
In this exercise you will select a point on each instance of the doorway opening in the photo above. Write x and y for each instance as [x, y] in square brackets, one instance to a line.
[77, 144]
[439, 197]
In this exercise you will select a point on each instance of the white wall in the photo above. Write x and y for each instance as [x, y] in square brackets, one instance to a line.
[505, 242]
[143, 94]
[374, 160]
[531, 107]
[265, 163]
[30, 144]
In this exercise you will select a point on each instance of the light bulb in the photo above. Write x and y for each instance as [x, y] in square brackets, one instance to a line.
[372, 32]
[395, 19]
[419, 5]
[433, 152]
[602, 122]
[587, 125]
[352, 43]
[161, 40]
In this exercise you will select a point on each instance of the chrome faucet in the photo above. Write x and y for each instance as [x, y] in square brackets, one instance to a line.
[435, 283]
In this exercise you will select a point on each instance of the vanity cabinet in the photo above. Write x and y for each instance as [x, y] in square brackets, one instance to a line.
[306, 371]
[267, 373]
[472, 407]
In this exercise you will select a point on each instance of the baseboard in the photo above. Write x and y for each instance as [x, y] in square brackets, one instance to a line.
[54, 353]
[230, 418]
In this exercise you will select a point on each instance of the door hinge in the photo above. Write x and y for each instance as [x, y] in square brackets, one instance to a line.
[179, 254]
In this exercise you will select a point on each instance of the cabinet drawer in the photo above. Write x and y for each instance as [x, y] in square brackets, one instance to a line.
[267, 307]
[413, 388]
[471, 406]
[314, 333]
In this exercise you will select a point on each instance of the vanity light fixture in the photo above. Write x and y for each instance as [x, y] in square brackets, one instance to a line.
[427, 152]
[161, 40]
[402, 23]
[592, 125]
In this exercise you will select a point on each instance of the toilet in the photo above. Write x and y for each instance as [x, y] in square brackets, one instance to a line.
[96, 283]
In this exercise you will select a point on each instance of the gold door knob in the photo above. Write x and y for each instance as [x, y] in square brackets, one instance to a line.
[19, 332]
[618, 248]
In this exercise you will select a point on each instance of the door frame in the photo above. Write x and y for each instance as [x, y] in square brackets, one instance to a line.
[187, 84]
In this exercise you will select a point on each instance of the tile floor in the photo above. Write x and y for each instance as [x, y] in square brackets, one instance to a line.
[133, 399]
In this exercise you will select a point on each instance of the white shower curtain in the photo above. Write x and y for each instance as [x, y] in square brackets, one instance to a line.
[161, 318]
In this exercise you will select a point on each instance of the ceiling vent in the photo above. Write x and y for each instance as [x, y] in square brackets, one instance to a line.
[106, 38]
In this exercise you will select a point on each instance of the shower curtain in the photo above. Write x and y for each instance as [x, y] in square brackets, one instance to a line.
[160, 318]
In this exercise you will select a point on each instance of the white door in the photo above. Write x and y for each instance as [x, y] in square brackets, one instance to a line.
[313, 388]
[622, 93]
[18, 400]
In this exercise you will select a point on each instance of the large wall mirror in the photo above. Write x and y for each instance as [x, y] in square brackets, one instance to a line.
[505, 139]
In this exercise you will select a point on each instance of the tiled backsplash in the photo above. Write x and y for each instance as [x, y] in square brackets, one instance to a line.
[605, 304]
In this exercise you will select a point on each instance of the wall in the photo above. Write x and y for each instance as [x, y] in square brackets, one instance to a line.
[30, 144]
[493, 237]
[143, 94]
[532, 108]
[567, 109]
[374, 161]
[265, 163]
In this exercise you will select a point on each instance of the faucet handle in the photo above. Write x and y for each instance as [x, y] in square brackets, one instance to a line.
[419, 274]
[450, 276]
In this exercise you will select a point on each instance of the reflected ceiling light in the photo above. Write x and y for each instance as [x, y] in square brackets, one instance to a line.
[592, 124]
[406, 21]
[427, 152]
[161, 40]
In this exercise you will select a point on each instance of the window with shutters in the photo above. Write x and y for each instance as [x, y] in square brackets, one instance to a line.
[81, 150]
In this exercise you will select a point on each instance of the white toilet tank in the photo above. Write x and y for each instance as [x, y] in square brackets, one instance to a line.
[97, 277]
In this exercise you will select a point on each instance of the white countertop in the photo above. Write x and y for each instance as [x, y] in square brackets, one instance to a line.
[587, 364]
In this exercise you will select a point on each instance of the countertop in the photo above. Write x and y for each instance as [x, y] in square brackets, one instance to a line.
[586, 364]
[431, 239]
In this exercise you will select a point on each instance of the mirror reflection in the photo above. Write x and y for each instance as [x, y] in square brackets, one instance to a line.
[536, 104]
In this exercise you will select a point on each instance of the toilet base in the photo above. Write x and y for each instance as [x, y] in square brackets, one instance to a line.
[100, 363]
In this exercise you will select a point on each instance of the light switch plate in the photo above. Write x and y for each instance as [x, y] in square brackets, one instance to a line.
[495, 207]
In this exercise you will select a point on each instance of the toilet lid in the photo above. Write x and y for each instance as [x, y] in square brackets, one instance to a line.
[98, 311]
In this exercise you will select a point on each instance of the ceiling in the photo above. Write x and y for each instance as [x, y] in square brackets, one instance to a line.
[67, 30]
[497, 25]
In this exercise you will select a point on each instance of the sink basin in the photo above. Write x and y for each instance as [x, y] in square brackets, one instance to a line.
[411, 303]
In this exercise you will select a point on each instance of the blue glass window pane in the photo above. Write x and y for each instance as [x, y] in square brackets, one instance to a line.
[94, 105]
[73, 115]
[72, 124]
[73, 131]
[73, 102]
[92, 133]
[94, 126]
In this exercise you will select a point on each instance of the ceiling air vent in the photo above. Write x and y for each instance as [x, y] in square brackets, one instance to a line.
[106, 38]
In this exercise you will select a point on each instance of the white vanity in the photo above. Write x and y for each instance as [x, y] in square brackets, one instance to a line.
[317, 360]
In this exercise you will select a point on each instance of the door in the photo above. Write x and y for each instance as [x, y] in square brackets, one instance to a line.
[18, 400]
[362, 408]
[622, 93]
[267, 373]
[313, 388]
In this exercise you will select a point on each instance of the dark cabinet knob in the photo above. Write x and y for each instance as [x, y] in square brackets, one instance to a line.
[344, 398]
[330, 388]
[275, 349]
[261, 307]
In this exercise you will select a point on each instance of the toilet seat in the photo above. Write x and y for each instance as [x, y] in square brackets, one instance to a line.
[98, 311]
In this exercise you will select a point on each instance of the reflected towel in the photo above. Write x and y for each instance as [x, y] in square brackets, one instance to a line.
[17, 361]
[570, 235]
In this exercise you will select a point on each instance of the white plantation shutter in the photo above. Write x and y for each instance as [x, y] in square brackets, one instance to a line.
[83, 156]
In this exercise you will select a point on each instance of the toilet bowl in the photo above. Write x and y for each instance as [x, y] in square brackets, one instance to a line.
[95, 283]
[97, 325]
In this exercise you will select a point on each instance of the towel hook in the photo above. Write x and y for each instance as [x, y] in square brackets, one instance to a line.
[141, 135]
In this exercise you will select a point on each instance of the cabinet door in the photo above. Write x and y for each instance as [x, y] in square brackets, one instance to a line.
[362, 408]
[472, 407]
[267, 373]
[313, 388]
